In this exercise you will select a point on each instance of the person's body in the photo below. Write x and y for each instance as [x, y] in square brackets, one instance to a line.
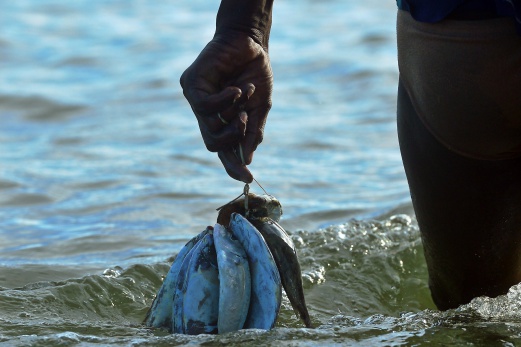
[459, 125]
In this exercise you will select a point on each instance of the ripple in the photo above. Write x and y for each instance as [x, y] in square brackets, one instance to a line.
[39, 109]
[6, 184]
[26, 199]
[79, 61]
[108, 307]
[67, 141]
[91, 185]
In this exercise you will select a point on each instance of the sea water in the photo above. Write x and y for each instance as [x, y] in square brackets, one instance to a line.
[104, 177]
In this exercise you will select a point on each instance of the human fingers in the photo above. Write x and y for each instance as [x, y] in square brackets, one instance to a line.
[247, 91]
[205, 104]
[202, 91]
[222, 128]
[227, 136]
[234, 166]
[254, 133]
[226, 116]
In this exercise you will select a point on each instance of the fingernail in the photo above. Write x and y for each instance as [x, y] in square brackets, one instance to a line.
[243, 116]
[237, 96]
[250, 91]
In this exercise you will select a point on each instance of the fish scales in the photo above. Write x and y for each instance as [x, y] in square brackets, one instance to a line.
[283, 250]
[179, 290]
[201, 291]
[234, 279]
[266, 293]
[160, 313]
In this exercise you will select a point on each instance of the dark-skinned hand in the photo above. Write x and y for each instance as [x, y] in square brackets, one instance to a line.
[229, 88]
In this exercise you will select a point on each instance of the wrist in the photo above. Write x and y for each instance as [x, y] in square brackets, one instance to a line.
[250, 17]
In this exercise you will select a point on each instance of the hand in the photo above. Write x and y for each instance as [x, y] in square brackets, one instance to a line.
[231, 78]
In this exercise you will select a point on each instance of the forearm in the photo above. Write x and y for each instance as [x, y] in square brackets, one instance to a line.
[252, 17]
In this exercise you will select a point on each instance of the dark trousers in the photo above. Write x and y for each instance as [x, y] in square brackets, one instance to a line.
[468, 211]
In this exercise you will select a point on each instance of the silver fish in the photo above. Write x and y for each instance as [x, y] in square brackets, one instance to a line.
[179, 291]
[201, 292]
[285, 255]
[234, 279]
[266, 286]
[160, 313]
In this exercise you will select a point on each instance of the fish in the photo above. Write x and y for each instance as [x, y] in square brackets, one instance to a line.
[283, 250]
[230, 276]
[200, 307]
[266, 293]
[160, 313]
[258, 206]
[180, 290]
[234, 279]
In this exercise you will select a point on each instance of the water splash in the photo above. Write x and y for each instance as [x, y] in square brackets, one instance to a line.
[364, 284]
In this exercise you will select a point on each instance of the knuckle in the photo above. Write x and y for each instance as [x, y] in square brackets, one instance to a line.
[260, 136]
[182, 80]
[211, 146]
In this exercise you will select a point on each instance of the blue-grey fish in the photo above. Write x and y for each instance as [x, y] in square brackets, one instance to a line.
[234, 279]
[283, 250]
[160, 313]
[201, 291]
[266, 286]
[180, 289]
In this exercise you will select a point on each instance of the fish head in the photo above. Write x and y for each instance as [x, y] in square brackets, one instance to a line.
[227, 241]
[266, 206]
[259, 206]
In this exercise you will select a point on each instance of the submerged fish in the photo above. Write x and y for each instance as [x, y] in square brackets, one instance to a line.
[160, 313]
[266, 286]
[234, 279]
[285, 255]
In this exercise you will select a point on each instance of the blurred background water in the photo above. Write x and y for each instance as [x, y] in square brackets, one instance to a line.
[104, 176]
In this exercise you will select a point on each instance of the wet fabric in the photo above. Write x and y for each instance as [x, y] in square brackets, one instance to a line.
[464, 80]
[468, 211]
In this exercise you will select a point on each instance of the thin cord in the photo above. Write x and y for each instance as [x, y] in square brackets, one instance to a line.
[246, 186]
[246, 191]
[264, 190]
[217, 209]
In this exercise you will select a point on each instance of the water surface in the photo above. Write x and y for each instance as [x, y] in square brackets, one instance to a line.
[104, 176]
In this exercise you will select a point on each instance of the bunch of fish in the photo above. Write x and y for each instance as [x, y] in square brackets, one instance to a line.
[230, 276]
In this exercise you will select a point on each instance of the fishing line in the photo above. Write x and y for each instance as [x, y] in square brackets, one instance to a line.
[240, 155]
[245, 192]
[217, 209]
[264, 190]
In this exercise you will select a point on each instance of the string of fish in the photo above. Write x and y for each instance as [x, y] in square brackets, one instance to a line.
[230, 277]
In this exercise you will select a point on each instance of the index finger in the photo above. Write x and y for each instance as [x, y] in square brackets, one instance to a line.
[205, 103]
[254, 132]
[234, 167]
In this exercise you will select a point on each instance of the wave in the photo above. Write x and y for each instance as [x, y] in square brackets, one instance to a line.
[365, 283]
